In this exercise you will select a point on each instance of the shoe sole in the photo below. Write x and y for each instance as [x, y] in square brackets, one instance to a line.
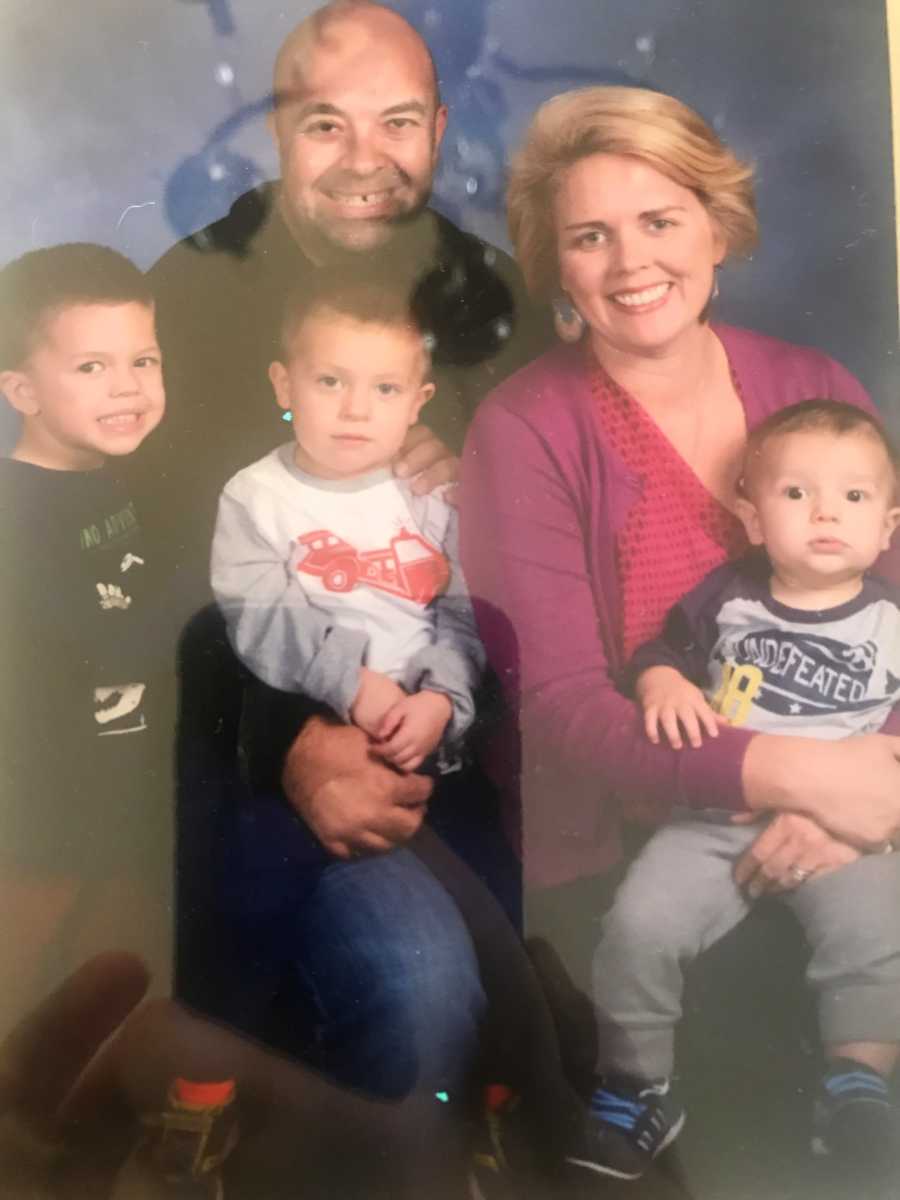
[475, 1192]
[599, 1169]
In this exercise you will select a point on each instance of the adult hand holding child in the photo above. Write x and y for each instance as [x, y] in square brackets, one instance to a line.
[350, 798]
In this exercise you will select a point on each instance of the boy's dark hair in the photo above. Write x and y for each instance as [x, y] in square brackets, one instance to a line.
[355, 294]
[828, 416]
[43, 282]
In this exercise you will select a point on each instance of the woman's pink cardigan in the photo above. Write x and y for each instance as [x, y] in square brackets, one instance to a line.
[542, 501]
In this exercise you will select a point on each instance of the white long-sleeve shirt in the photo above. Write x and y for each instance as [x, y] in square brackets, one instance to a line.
[318, 578]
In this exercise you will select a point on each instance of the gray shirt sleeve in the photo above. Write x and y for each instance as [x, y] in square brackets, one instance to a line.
[454, 662]
[275, 631]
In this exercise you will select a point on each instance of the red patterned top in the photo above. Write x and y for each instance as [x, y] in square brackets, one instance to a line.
[675, 533]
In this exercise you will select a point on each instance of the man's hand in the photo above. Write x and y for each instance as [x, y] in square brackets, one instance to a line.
[426, 460]
[673, 703]
[352, 801]
[377, 695]
[413, 728]
[789, 850]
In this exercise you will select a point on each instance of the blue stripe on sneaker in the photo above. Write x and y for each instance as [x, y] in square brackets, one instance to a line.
[865, 1081]
[623, 1122]
[619, 1111]
[602, 1098]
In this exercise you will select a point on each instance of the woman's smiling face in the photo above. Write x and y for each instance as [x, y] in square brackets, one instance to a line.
[637, 253]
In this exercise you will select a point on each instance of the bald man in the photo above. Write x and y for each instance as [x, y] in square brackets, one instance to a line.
[322, 891]
[358, 124]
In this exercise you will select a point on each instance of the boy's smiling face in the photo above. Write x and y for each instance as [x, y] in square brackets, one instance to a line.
[91, 387]
[353, 389]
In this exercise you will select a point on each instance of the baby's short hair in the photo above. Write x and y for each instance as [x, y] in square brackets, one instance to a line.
[42, 283]
[826, 416]
[363, 297]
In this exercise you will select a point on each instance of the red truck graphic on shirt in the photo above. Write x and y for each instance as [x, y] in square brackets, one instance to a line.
[410, 567]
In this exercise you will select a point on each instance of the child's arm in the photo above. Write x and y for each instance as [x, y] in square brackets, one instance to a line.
[672, 703]
[377, 695]
[275, 631]
[449, 669]
[413, 728]
[891, 643]
[664, 674]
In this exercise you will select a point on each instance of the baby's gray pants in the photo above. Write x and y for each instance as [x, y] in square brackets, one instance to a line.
[679, 897]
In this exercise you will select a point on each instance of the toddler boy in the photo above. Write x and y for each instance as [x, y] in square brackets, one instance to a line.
[86, 789]
[335, 579]
[800, 640]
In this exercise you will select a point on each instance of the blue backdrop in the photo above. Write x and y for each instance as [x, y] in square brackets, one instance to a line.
[131, 124]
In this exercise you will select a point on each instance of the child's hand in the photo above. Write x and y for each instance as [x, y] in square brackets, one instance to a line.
[413, 728]
[376, 696]
[672, 702]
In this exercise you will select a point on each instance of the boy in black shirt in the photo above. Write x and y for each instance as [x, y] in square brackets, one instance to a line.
[85, 775]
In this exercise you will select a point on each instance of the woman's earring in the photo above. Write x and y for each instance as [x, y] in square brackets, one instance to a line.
[715, 287]
[567, 320]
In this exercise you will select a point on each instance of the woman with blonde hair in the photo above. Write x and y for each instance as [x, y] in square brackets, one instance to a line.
[599, 486]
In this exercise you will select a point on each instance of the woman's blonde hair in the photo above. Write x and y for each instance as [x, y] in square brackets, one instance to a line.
[651, 126]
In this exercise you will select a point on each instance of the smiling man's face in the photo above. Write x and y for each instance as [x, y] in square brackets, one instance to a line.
[358, 129]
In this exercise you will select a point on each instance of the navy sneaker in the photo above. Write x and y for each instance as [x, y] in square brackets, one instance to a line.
[629, 1123]
[854, 1119]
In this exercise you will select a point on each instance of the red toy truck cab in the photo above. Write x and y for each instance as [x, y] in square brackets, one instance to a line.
[410, 567]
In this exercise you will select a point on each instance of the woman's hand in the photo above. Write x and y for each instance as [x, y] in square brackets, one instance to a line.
[672, 702]
[850, 787]
[426, 460]
[789, 850]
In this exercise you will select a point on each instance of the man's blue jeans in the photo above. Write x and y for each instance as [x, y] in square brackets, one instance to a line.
[369, 961]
